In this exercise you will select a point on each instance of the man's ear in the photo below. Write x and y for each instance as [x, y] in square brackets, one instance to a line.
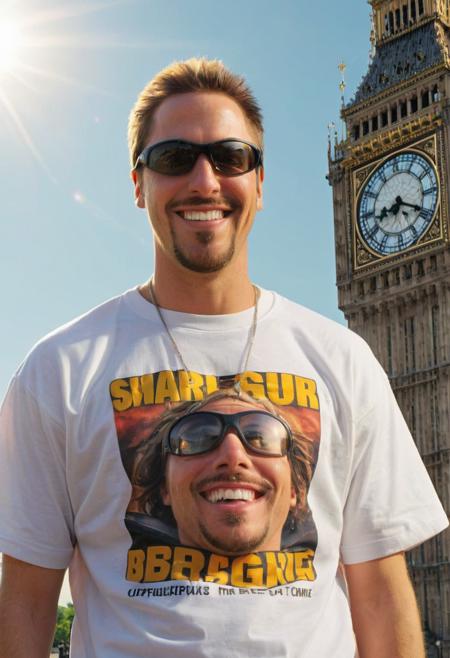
[294, 500]
[259, 188]
[138, 197]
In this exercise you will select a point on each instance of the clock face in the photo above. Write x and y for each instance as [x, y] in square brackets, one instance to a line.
[398, 203]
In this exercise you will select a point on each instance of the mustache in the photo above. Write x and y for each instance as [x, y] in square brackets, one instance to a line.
[227, 201]
[260, 483]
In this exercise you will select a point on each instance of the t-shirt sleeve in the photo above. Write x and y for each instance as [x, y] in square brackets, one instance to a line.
[36, 520]
[391, 504]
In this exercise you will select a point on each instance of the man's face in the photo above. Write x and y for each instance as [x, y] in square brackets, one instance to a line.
[208, 241]
[262, 495]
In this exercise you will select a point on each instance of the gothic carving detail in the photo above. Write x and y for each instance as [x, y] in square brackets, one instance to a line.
[435, 231]
[442, 41]
[396, 137]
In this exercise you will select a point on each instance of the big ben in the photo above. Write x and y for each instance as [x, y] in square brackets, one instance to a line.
[390, 176]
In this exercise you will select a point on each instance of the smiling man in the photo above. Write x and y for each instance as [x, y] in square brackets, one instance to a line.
[76, 422]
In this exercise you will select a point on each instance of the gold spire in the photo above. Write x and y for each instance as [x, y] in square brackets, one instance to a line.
[342, 85]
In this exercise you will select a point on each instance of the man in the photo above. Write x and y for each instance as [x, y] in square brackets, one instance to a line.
[86, 397]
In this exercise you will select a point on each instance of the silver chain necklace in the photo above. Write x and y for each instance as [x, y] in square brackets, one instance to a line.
[248, 347]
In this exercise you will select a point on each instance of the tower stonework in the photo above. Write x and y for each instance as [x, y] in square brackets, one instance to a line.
[390, 176]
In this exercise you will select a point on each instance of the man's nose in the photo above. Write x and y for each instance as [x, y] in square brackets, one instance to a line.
[231, 453]
[203, 179]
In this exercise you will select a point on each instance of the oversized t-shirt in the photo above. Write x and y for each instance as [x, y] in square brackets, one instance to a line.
[79, 417]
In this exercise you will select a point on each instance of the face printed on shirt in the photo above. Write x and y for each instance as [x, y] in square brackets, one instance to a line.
[229, 500]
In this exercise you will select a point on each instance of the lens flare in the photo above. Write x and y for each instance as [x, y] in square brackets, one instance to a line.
[11, 41]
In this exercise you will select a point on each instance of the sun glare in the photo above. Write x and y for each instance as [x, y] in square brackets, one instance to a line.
[29, 47]
[10, 45]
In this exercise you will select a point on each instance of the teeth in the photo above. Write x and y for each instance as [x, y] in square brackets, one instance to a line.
[230, 494]
[202, 215]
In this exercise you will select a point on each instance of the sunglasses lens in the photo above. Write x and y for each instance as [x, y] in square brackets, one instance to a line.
[264, 433]
[201, 432]
[195, 434]
[172, 158]
[233, 158]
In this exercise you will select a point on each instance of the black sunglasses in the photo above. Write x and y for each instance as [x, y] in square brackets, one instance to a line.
[229, 157]
[203, 431]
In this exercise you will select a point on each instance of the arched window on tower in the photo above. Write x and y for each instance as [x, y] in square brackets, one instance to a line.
[398, 22]
[405, 15]
[410, 344]
[435, 418]
[391, 22]
[412, 12]
[435, 334]
[394, 114]
[421, 8]
[425, 98]
[389, 349]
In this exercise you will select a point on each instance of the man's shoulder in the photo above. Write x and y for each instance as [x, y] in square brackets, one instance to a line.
[80, 334]
[90, 322]
[320, 328]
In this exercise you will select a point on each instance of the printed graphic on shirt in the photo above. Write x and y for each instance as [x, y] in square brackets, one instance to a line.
[198, 516]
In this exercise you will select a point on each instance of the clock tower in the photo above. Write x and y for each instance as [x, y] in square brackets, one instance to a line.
[390, 176]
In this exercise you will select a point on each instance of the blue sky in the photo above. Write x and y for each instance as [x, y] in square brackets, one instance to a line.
[71, 236]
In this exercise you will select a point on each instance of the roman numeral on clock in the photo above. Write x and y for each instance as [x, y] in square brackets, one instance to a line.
[373, 231]
[426, 214]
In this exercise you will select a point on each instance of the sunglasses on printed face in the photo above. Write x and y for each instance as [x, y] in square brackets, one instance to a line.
[229, 157]
[259, 431]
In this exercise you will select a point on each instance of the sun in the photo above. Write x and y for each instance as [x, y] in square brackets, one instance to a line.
[11, 41]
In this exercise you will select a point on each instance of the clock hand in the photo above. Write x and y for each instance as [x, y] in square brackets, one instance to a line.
[383, 214]
[396, 206]
[411, 205]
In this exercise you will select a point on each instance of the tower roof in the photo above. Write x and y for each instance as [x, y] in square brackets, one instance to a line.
[405, 56]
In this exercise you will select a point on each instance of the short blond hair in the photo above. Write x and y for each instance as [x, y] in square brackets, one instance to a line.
[196, 74]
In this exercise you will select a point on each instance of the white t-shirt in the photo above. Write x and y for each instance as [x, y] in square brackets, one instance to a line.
[86, 399]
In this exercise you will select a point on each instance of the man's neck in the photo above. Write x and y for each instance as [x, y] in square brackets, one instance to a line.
[217, 293]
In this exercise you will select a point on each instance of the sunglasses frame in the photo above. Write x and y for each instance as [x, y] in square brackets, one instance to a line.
[206, 149]
[228, 421]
